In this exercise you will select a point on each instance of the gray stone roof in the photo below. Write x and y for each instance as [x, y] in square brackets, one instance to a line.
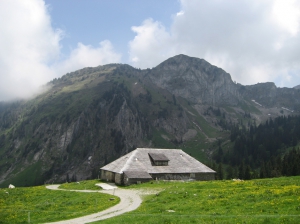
[139, 160]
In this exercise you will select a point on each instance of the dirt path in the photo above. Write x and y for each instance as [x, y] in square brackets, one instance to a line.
[130, 200]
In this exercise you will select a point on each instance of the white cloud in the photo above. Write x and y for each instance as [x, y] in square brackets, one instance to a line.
[27, 44]
[88, 56]
[180, 13]
[150, 46]
[287, 14]
[30, 49]
[255, 41]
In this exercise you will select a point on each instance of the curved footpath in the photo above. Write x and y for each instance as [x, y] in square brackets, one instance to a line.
[130, 200]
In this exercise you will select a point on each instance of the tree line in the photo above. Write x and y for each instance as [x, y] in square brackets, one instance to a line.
[268, 150]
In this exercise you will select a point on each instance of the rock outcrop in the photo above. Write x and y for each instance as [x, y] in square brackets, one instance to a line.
[268, 95]
[196, 80]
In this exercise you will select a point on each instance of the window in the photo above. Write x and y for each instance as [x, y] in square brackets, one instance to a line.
[158, 159]
[161, 163]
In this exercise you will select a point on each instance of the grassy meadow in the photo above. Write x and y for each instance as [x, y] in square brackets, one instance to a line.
[274, 200]
[39, 205]
[82, 185]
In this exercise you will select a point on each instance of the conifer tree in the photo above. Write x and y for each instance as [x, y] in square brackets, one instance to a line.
[248, 173]
[262, 173]
[230, 173]
[242, 171]
[220, 172]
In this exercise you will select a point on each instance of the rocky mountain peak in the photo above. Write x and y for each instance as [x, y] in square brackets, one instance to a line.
[196, 80]
[183, 63]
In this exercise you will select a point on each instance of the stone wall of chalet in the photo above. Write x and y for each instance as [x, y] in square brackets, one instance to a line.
[107, 176]
[183, 176]
[122, 179]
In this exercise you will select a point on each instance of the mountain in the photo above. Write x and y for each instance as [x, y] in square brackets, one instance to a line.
[271, 96]
[92, 116]
[195, 80]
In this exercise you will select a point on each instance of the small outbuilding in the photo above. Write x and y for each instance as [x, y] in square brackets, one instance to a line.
[145, 164]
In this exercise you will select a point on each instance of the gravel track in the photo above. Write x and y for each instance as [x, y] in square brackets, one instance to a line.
[130, 200]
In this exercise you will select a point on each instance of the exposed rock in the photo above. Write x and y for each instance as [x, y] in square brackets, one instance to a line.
[191, 133]
[196, 80]
[268, 95]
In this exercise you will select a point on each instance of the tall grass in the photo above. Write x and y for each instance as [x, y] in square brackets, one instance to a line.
[256, 201]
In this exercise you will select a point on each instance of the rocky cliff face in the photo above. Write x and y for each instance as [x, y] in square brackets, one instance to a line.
[262, 92]
[196, 80]
[87, 119]
[269, 95]
[70, 144]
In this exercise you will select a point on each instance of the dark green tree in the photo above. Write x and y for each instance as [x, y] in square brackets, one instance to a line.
[220, 172]
[247, 173]
[242, 170]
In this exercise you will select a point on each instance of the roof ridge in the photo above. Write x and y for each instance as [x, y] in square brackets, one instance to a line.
[155, 149]
[128, 161]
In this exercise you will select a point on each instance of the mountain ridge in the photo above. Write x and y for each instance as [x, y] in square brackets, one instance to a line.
[203, 80]
[92, 116]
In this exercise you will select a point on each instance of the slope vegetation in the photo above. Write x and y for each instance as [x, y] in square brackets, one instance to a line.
[92, 116]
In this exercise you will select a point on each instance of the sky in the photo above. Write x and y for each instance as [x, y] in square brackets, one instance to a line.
[254, 41]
